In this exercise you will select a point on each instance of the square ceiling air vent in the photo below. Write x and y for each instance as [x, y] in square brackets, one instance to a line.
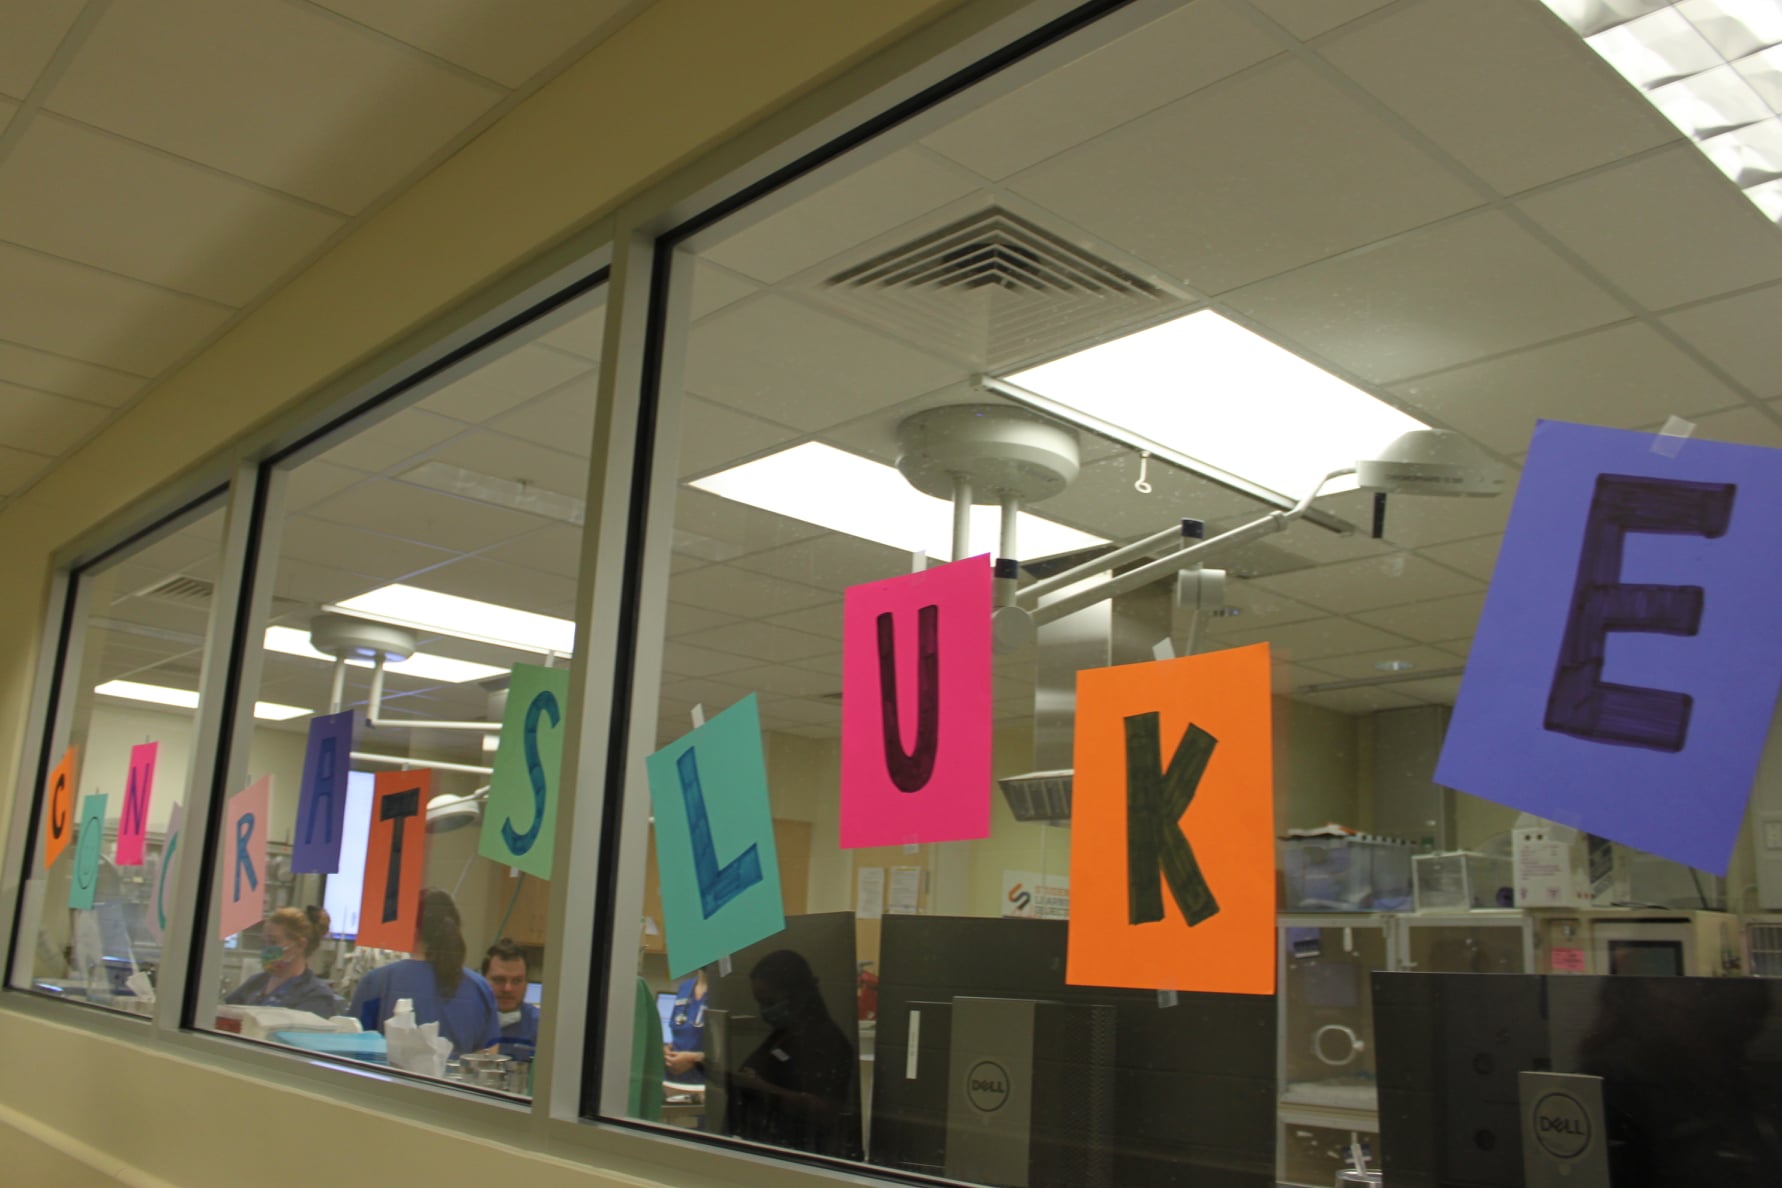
[994, 290]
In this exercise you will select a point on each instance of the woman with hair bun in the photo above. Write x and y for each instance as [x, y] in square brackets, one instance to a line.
[442, 990]
[286, 980]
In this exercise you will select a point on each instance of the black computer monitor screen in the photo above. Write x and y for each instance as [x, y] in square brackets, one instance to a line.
[1646, 958]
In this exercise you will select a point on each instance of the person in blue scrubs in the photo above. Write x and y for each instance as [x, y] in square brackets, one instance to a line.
[684, 1046]
[508, 974]
[442, 990]
[286, 979]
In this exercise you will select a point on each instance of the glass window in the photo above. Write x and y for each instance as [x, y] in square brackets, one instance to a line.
[419, 564]
[119, 751]
[1189, 266]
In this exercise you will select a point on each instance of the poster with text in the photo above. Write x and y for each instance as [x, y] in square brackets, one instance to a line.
[139, 786]
[1030, 895]
[242, 870]
[395, 859]
[1625, 666]
[155, 919]
[520, 825]
[715, 854]
[58, 808]
[322, 797]
[1172, 861]
[85, 880]
[916, 717]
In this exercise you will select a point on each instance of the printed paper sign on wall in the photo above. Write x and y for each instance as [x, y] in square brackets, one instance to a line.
[321, 801]
[139, 785]
[58, 809]
[395, 857]
[1172, 868]
[1626, 663]
[242, 872]
[916, 716]
[719, 869]
[520, 826]
[85, 880]
[156, 917]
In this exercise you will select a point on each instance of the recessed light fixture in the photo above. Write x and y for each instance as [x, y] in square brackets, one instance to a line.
[466, 618]
[1395, 666]
[271, 711]
[845, 492]
[1713, 67]
[289, 641]
[1211, 390]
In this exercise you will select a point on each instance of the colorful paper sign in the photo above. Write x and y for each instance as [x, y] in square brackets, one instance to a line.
[322, 798]
[139, 786]
[156, 917]
[1172, 869]
[241, 872]
[715, 852]
[916, 718]
[58, 808]
[1030, 895]
[85, 880]
[1625, 667]
[1569, 961]
[395, 859]
[520, 826]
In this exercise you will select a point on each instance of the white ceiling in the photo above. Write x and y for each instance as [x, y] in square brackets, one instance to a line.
[166, 164]
[1455, 205]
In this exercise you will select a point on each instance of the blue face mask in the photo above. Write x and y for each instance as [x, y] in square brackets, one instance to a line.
[271, 955]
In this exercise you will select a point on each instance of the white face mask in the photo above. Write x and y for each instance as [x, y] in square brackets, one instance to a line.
[509, 1018]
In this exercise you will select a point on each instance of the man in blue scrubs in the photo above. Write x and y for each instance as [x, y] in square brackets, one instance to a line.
[508, 974]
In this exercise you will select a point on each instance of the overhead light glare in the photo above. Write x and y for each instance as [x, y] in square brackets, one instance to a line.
[271, 711]
[1593, 16]
[465, 618]
[288, 641]
[845, 492]
[1656, 49]
[1202, 385]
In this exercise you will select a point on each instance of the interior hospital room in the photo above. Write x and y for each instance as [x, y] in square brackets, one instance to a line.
[995, 347]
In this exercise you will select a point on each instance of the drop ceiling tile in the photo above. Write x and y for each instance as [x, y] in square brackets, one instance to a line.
[315, 481]
[832, 562]
[714, 288]
[427, 517]
[19, 467]
[280, 94]
[842, 215]
[391, 444]
[1257, 176]
[789, 363]
[1508, 89]
[578, 328]
[1285, 678]
[1358, 702]
[507, 42]
[1444, 691]
[101, 200]
[69, 309]
[7, 108]
[1139, 72]
[802, 712]
[1739, 334]
[786, 680]
[1438, 297]
[1103, 500]
[762, 641]
[34, 28]
[825, 620]
[680, 660]
[1432, 621]
[48, 372]
[1747, 426]
[562, 418]
[1389, 579]
[305, 540]
[555, 548]
[1315, 639]
[1667, 228]
[1476, 557]
[1367, 664]
[739, 592]
[1306, 21]
[715, 437]
[683, 620]
[720, 529]
[496, 383]
[513, 460]
[1624, 376]
[503, 585]
[45, 424]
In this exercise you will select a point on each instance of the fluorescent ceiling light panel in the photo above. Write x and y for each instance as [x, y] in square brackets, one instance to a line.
[1713, 67]
[188, 699]
[844, 492]
[1208, 388]
[466, 618]
[288, 641]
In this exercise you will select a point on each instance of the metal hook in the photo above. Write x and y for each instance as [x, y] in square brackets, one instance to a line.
[1142, 486]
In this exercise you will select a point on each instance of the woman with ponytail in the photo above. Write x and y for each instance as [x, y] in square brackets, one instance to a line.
[442, 990]
[286, 980]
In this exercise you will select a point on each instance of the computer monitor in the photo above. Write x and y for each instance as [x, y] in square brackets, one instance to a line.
[535, 993]
[665, 1008]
